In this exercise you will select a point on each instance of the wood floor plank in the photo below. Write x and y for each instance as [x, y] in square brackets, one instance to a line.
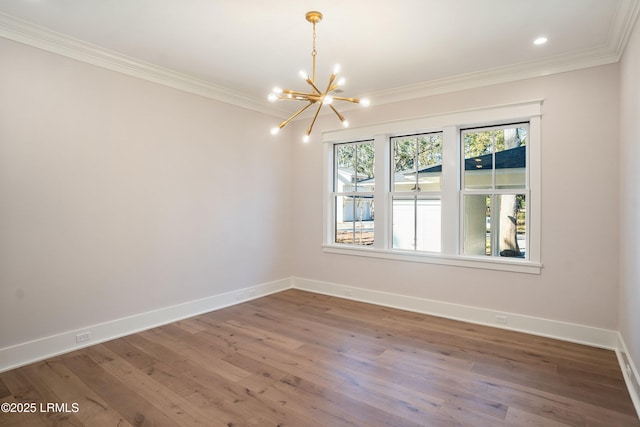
[205, 386]
[522, 418]
[133, 407]
[30, 419]
[70, 390]
[330, 404]
[24, 391]
[300, 359]
[4, 390]
[180, 410]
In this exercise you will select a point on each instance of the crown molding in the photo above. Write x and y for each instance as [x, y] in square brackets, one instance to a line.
[521, 71]
[624, 22]
[33, 35]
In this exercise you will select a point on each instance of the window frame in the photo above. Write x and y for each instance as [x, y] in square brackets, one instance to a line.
[450, 124]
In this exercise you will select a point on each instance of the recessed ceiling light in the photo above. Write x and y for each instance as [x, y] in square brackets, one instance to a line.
[540, 40]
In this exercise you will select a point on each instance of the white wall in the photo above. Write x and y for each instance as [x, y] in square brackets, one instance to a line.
[580, 202]
[119, 196]
[630, 196]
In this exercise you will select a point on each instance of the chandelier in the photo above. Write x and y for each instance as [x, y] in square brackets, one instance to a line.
[315, 95]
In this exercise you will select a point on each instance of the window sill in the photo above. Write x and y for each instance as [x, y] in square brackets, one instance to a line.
[512, 265]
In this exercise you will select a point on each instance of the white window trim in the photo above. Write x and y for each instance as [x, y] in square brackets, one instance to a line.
[450, 124]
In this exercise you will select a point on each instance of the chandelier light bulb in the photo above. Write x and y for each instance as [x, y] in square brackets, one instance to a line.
[328, 100]
[275, 130]
[365, 102]
[273, 97]
[345, 123]
[305, 138]
[342, 81]
[540, 41]
[277, 90]
[336, 69]
[303, 74]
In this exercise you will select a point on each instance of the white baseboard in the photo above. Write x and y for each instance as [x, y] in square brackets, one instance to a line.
[43, 348]
[630, 373]
[581, 334]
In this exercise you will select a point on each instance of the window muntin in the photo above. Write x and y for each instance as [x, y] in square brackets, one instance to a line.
[353, 178]
[495, 190]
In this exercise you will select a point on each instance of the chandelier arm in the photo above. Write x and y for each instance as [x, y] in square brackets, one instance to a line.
[340, 116]
[329, 85]
[340, 98]
[296, 114]
[293, 98]
[313, 85]
[294, 95]
[312, 98]
[294, 92]
[314, 119]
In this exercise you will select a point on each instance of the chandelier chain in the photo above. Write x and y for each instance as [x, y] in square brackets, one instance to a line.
[313, 52]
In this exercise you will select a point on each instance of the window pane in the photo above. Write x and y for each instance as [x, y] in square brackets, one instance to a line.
[511, 233]
[404, 224]
[416, 224]
[478, 158]
[404, 157]
[499, 152]
[417, 162]
[343, 228]
[429, 162]
[344, 180]
[365, 164]
[477, 225]
[510, 159]
[507, 221]
[354, 220]
[428, 225]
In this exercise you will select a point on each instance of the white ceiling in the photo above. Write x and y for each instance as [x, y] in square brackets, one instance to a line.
[237, 50]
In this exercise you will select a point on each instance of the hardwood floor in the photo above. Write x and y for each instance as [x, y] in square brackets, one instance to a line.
[301, 359]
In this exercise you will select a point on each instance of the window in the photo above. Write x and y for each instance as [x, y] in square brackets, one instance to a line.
[494, 193]
[416, 183]
[354, 183]
[460, 189]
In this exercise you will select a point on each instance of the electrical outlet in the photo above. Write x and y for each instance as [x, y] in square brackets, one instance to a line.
[83, 337]
[503, 320]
